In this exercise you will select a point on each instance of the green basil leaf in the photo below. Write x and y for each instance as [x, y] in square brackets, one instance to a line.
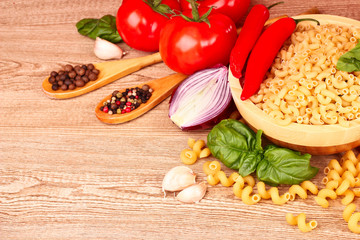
[350, 61]
[104, 28]
[236, 145]
[284, 166]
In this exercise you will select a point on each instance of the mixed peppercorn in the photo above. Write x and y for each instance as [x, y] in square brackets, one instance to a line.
[124, 102]
[71, 77]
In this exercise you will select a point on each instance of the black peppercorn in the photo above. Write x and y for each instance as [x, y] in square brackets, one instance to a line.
[145, 87]
[72, 86]
[113, 106]
[92, 76]
[79, 83]
[81, 71]
[64, 87]
[72, 74]
[90, 66]
[68, 82]
[55, 87]
[96, 71]
[71, 77]
[115, 93]
[68, 68]
[53, 74]
[85, 79]
[63, 77]
[52, 79]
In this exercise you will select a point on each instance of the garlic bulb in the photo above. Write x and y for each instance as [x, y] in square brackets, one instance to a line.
[178, 178]
[106, 50]
[192, 194]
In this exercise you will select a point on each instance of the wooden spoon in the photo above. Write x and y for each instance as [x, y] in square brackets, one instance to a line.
[109, 72]
[162, 87]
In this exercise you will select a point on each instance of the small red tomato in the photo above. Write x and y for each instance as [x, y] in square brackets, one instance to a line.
[187, 46]
[139, 22]
[235, 9]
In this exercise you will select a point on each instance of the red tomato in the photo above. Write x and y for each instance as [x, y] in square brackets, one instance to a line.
[235, 9]
[139, 25]
[187, 47]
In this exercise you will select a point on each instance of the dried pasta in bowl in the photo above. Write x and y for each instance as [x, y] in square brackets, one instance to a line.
[305, 102]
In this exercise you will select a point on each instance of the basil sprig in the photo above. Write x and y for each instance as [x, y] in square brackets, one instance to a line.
[104, 28]
[350, 61]
[238, 147]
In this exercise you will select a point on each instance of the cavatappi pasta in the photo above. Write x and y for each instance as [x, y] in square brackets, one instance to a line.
[341, 181]
[220, 176]
[303, 85]
[198, 150]
[352, 218]
[299, 220]
[188, 156]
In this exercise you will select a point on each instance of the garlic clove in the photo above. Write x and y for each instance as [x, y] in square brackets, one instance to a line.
[106, 50]
[192, 194]
[178, 178]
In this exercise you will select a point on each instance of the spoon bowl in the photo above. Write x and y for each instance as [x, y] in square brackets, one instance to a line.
[162, 87]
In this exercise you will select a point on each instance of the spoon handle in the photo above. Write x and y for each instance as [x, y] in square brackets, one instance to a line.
[109, 72]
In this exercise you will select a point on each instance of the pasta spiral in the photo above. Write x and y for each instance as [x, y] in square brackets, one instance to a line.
[300, 221]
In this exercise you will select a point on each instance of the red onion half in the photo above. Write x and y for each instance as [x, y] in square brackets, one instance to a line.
[202, 100]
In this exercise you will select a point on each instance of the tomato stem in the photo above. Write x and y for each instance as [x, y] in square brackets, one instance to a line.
[195, 14]
[156, 6]
[156, 2]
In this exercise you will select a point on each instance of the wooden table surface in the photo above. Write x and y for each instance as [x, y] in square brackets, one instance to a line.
[66, 175]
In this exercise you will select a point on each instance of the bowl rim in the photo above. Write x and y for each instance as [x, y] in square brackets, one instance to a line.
[312, 135]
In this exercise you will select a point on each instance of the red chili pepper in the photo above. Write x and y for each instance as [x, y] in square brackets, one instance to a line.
[248, 35]
[264, 53]
[250, 32]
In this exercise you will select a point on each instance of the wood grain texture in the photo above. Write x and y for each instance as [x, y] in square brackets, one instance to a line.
[66, 175]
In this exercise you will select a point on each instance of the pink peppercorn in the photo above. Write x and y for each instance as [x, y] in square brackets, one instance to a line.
[137, 97]
[105, 109]
[118, 103]
[128, 104]
[123, 111]
[128, 109]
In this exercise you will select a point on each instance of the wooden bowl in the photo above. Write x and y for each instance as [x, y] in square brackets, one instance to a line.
[313, 139]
